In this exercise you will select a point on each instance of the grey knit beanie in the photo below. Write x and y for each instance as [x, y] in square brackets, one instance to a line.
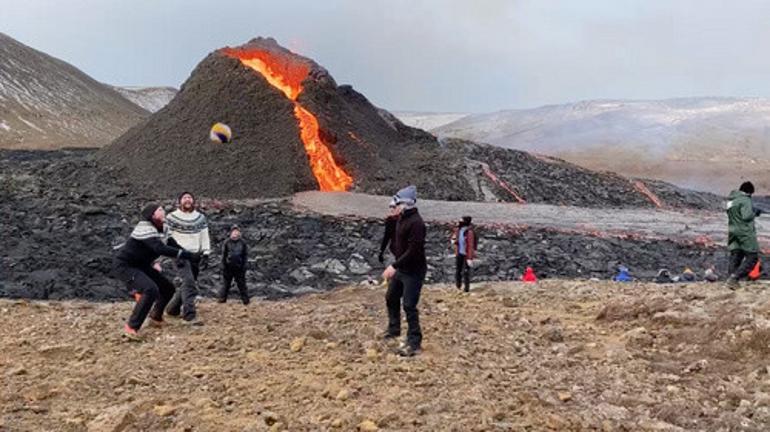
[407, 196]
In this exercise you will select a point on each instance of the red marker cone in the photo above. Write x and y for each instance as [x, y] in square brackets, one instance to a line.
[529, 276]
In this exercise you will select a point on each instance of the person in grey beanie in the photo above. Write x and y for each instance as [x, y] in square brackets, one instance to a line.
[407, 274]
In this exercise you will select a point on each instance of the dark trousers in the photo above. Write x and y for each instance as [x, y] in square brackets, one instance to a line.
[155, 292]
[462, 272]
[184, 299]
[408, 287]
[742, 262]
[239, 274]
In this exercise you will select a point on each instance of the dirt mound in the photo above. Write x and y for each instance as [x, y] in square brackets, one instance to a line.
[506, 356]
[46, 103]
[295, 129]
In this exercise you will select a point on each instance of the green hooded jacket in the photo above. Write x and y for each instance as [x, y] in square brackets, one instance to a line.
[741, 233]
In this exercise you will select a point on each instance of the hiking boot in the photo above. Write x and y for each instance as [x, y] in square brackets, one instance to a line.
[732, 283]
[221, 300]
[156, 323]
[409, 351]
[192, 322]
[131, 334]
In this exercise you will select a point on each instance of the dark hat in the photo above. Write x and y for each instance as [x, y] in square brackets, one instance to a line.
[179, 198]
[235, 227]
[148, 211]
[747, 188]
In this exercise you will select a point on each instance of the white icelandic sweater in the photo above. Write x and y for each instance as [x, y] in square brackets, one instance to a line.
[190, 230]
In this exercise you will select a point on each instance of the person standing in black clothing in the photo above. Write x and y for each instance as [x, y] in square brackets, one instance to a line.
[390, 231]
[234, 259]
[464, 241]
[133, 265]
[407, 274]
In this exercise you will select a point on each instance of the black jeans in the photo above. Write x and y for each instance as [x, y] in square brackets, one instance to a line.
[742, 262]
[408, 287]
[155, 290]
[462, 272]
[239, 274]
[184, 298]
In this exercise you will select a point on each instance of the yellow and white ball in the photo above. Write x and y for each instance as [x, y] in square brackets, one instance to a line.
[220, 133]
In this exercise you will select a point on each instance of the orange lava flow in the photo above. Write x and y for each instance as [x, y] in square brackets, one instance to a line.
[644, 190]
[287, 75]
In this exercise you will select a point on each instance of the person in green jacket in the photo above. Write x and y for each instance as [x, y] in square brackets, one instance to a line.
[741, 234]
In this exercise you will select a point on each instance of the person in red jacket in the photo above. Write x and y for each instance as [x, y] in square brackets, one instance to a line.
[464, 241]
[529, 275]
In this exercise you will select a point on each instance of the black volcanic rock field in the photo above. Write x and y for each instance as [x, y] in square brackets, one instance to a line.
[62, 214]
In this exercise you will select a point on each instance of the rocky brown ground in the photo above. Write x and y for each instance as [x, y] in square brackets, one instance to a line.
[553, 356]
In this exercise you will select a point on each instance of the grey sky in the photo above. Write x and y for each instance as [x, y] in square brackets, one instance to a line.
[451, 55]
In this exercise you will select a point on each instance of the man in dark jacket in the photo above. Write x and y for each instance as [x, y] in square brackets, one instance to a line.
[234, 259]
[390, 231]
[464, 241]
[133, 265]
[741, 234]
[407, 274]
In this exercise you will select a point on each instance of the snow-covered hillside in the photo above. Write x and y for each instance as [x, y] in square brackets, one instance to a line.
[46, 103]
[150, 98]
[695, 142]
[426, 120]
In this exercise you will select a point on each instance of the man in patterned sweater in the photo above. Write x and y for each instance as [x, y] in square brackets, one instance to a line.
[190, 229]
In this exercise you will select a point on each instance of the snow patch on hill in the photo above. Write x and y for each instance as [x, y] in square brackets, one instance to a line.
[150, 98]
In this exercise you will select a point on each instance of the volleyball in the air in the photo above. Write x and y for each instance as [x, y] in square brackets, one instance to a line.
[220, 133]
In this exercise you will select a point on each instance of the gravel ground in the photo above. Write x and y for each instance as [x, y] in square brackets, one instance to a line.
[555, 356]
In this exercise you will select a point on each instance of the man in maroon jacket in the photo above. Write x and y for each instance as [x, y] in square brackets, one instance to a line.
[407, 274]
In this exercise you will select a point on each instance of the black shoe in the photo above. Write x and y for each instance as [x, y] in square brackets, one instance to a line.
[388, 335]
[245, 301]
[221, 300]
[192, 322]
[409, 351]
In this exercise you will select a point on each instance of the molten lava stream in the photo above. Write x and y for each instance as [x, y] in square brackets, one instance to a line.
[287, 77]
[330, 177]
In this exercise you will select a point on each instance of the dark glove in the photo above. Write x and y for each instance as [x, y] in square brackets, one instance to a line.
[380, 258]
[757, 212]
[203, 261]
[190, 256]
